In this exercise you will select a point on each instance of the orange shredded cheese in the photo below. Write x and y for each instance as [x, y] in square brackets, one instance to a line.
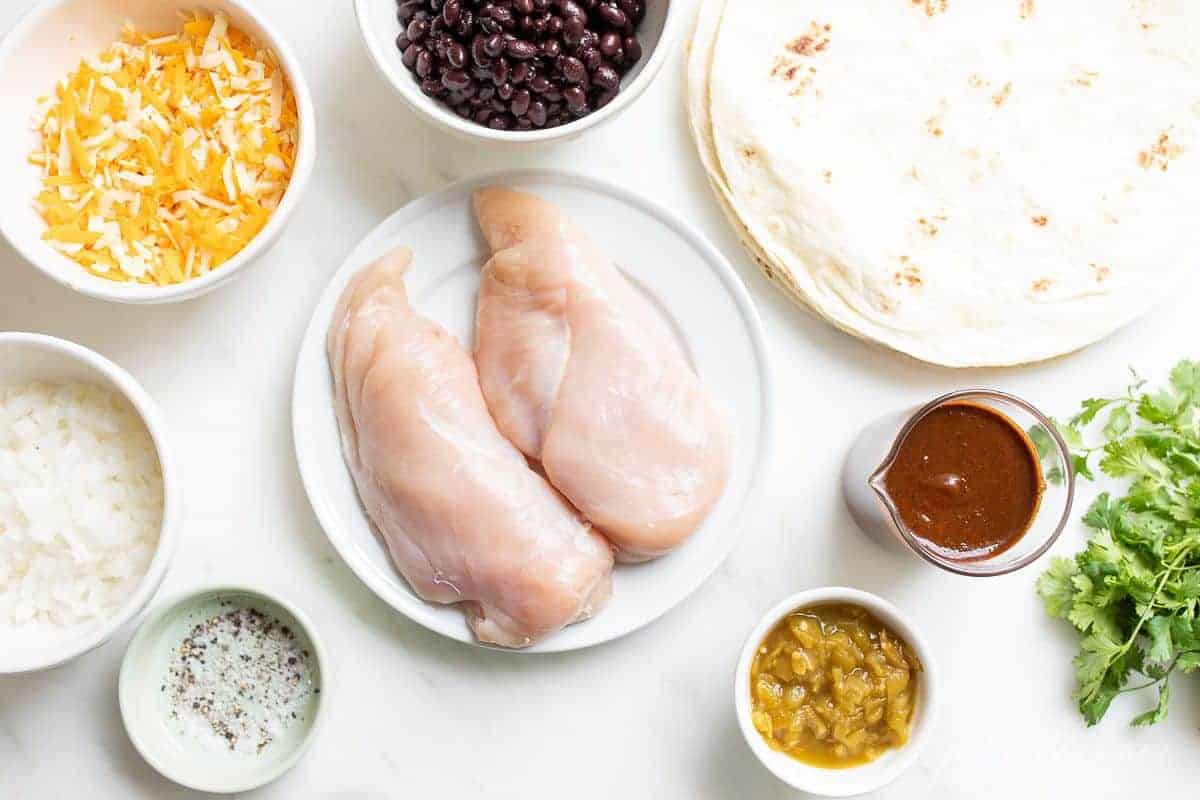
[163, 157]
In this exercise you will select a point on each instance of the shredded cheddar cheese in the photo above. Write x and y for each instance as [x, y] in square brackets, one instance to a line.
[165, 155]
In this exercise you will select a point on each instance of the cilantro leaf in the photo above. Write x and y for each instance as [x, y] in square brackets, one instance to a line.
[1186, 376]
[1055, 587]
[1090, 409]
[1161, 647]
[1159, 712]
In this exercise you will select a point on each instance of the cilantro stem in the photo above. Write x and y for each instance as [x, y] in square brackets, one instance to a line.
[1167, 672]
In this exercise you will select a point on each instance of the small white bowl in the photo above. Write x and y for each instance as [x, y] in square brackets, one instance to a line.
[27, 357]
[854, 780]
[46, 44]
[144, 709]
[658, 32]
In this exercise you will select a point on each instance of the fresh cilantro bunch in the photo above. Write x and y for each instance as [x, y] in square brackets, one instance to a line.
[1133, 591]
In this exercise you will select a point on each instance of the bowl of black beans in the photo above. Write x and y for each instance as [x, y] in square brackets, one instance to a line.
[519, 70]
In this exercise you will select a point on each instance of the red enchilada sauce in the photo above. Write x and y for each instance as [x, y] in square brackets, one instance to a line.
[966, 481]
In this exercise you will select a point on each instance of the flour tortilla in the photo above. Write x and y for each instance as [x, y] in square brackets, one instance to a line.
[972, 182]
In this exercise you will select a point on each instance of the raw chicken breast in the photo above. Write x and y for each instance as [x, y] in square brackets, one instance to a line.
[581, 374]
[464, 517]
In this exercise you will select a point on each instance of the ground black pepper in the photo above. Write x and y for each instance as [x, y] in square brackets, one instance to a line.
[240, 675]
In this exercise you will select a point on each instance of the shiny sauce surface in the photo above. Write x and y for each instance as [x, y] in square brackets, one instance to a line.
[966, 481]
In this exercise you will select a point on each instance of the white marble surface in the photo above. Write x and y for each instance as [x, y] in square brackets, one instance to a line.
[412, 715]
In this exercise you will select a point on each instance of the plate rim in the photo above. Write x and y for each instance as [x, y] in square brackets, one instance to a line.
[716, 261]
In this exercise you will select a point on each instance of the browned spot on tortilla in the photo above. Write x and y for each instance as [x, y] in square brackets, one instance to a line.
[977, 81]
[1026, 9]
[934, 126]
[1110, 218]
[929, 226]
[914, 174]
[828, 176]
[792, 65]
[999, 98]
[1040, 285]
[1084, 77]
[932, 7]
[1160, 155]
[1101, 272]
[1040, 220]
[909, 275]
[749, 153]
[813, 41]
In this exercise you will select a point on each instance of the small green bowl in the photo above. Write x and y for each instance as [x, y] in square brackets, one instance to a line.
[145, 708]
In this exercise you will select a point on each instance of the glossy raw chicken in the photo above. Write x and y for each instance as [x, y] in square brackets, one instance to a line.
[464, 517]
[580, 373]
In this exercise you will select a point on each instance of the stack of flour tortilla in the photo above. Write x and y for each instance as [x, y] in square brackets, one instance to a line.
[971, 182]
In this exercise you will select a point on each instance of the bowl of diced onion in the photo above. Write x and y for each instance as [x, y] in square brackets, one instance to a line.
[89, 501]
[154, 148]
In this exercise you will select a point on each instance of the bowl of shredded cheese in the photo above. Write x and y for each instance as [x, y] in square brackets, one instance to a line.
[165, 145]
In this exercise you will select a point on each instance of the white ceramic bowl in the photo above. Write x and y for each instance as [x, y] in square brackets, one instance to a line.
[144, 709]
[855, 780]
[27, 357]
[657, 33]
[49, 42]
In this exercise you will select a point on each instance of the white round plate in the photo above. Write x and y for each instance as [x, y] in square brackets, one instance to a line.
[688, 281]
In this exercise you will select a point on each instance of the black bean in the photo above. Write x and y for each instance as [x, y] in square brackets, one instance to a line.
[524, 6]
[552, 48]
[633, 50]
[539, 83]
[417, 29]
[573, 29]
[520, 103]
[606, 77]
[504, 92]
[610, 43]
[519, 73]
[500, 122]
[456, 79]
[591, 58]
[456, 54]
[493, 45]
[431, 87]
[571, 68]
[451, 12]
[570, 8]
[504, 15]
[483, 115]
[575, 97]
[409, 56]
[521, 49]
[612, 15]
[407, 10]
[537, 113]
[478, 54]
[424, 64]
[604, 98]
[554, 26]
[499, 72]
